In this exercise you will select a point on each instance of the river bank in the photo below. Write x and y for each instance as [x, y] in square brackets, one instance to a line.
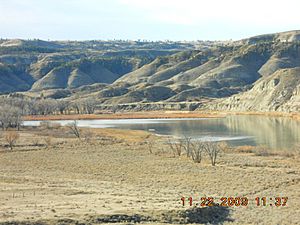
[156, 115]
[128, 115]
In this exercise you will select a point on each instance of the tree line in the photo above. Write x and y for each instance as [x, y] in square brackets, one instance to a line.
[13, 108]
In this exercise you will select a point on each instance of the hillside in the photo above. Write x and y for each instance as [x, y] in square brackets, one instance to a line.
[40, 65]
[200, 75]
[260, 73]
[277, 92]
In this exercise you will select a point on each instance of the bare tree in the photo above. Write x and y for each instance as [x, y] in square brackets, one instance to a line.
[89, 105]
[75, 129]
[76, 106]
[10, 116]
[5, 116]
[11, 138]
[62, 106]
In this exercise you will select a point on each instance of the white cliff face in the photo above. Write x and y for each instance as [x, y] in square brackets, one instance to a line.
[277, 92]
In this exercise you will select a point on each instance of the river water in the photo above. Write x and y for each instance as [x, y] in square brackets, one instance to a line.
[273, 132]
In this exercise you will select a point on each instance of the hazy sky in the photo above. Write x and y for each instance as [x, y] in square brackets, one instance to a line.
[146, 19]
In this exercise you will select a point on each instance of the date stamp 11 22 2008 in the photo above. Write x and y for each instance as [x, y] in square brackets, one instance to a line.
[234, 201]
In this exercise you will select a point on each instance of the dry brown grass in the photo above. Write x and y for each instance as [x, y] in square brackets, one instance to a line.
[83, 182]
[295, 116]
[127, 115]
[264, 151]
[48, 140]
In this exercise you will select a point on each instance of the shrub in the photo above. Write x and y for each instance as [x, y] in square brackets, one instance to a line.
[213, 149]
[263, 151]
[75, 129]
[176, 146]
[150, 145]
[11, 138]
[187, 145]
[197, 149]
[87, 136]
[35, 142]
[48, 141]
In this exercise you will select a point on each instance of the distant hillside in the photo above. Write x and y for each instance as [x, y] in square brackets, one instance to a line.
[288, 37]
[39, 65]
[259, 73]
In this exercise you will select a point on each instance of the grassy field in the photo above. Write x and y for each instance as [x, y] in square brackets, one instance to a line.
[50, 177]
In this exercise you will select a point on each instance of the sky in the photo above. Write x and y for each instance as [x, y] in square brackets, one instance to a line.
[146, 19]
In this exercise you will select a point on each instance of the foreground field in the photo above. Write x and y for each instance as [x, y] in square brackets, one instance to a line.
[53, 178]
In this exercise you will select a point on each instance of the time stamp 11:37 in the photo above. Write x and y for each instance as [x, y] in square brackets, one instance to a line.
[234, 201]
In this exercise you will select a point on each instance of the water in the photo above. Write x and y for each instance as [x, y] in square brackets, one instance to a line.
[273, 132]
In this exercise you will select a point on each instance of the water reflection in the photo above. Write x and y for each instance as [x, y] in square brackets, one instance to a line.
[274, 132]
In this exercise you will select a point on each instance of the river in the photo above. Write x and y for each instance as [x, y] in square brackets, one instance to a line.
[273, 132]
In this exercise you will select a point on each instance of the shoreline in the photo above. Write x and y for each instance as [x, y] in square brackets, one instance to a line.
[157, 115]
[127, 115]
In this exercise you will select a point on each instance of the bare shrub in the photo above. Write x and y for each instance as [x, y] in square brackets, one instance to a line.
[266, 152]
[150, 145]
[196, 150]
[245, 149]
[263, 151]
[212, 149]
[286, 154]
[35, 142]
[187, 145]
[176, 146]
[11, 138]
[88, 136]
[75, 129]
[162, 148]
[48, 141]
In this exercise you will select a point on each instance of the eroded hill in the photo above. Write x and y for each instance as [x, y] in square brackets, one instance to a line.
[259, 73]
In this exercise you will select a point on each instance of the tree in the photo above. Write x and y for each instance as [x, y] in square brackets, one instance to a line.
[89, 105]
[62, 106]
[10, 116]
[76, 106]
